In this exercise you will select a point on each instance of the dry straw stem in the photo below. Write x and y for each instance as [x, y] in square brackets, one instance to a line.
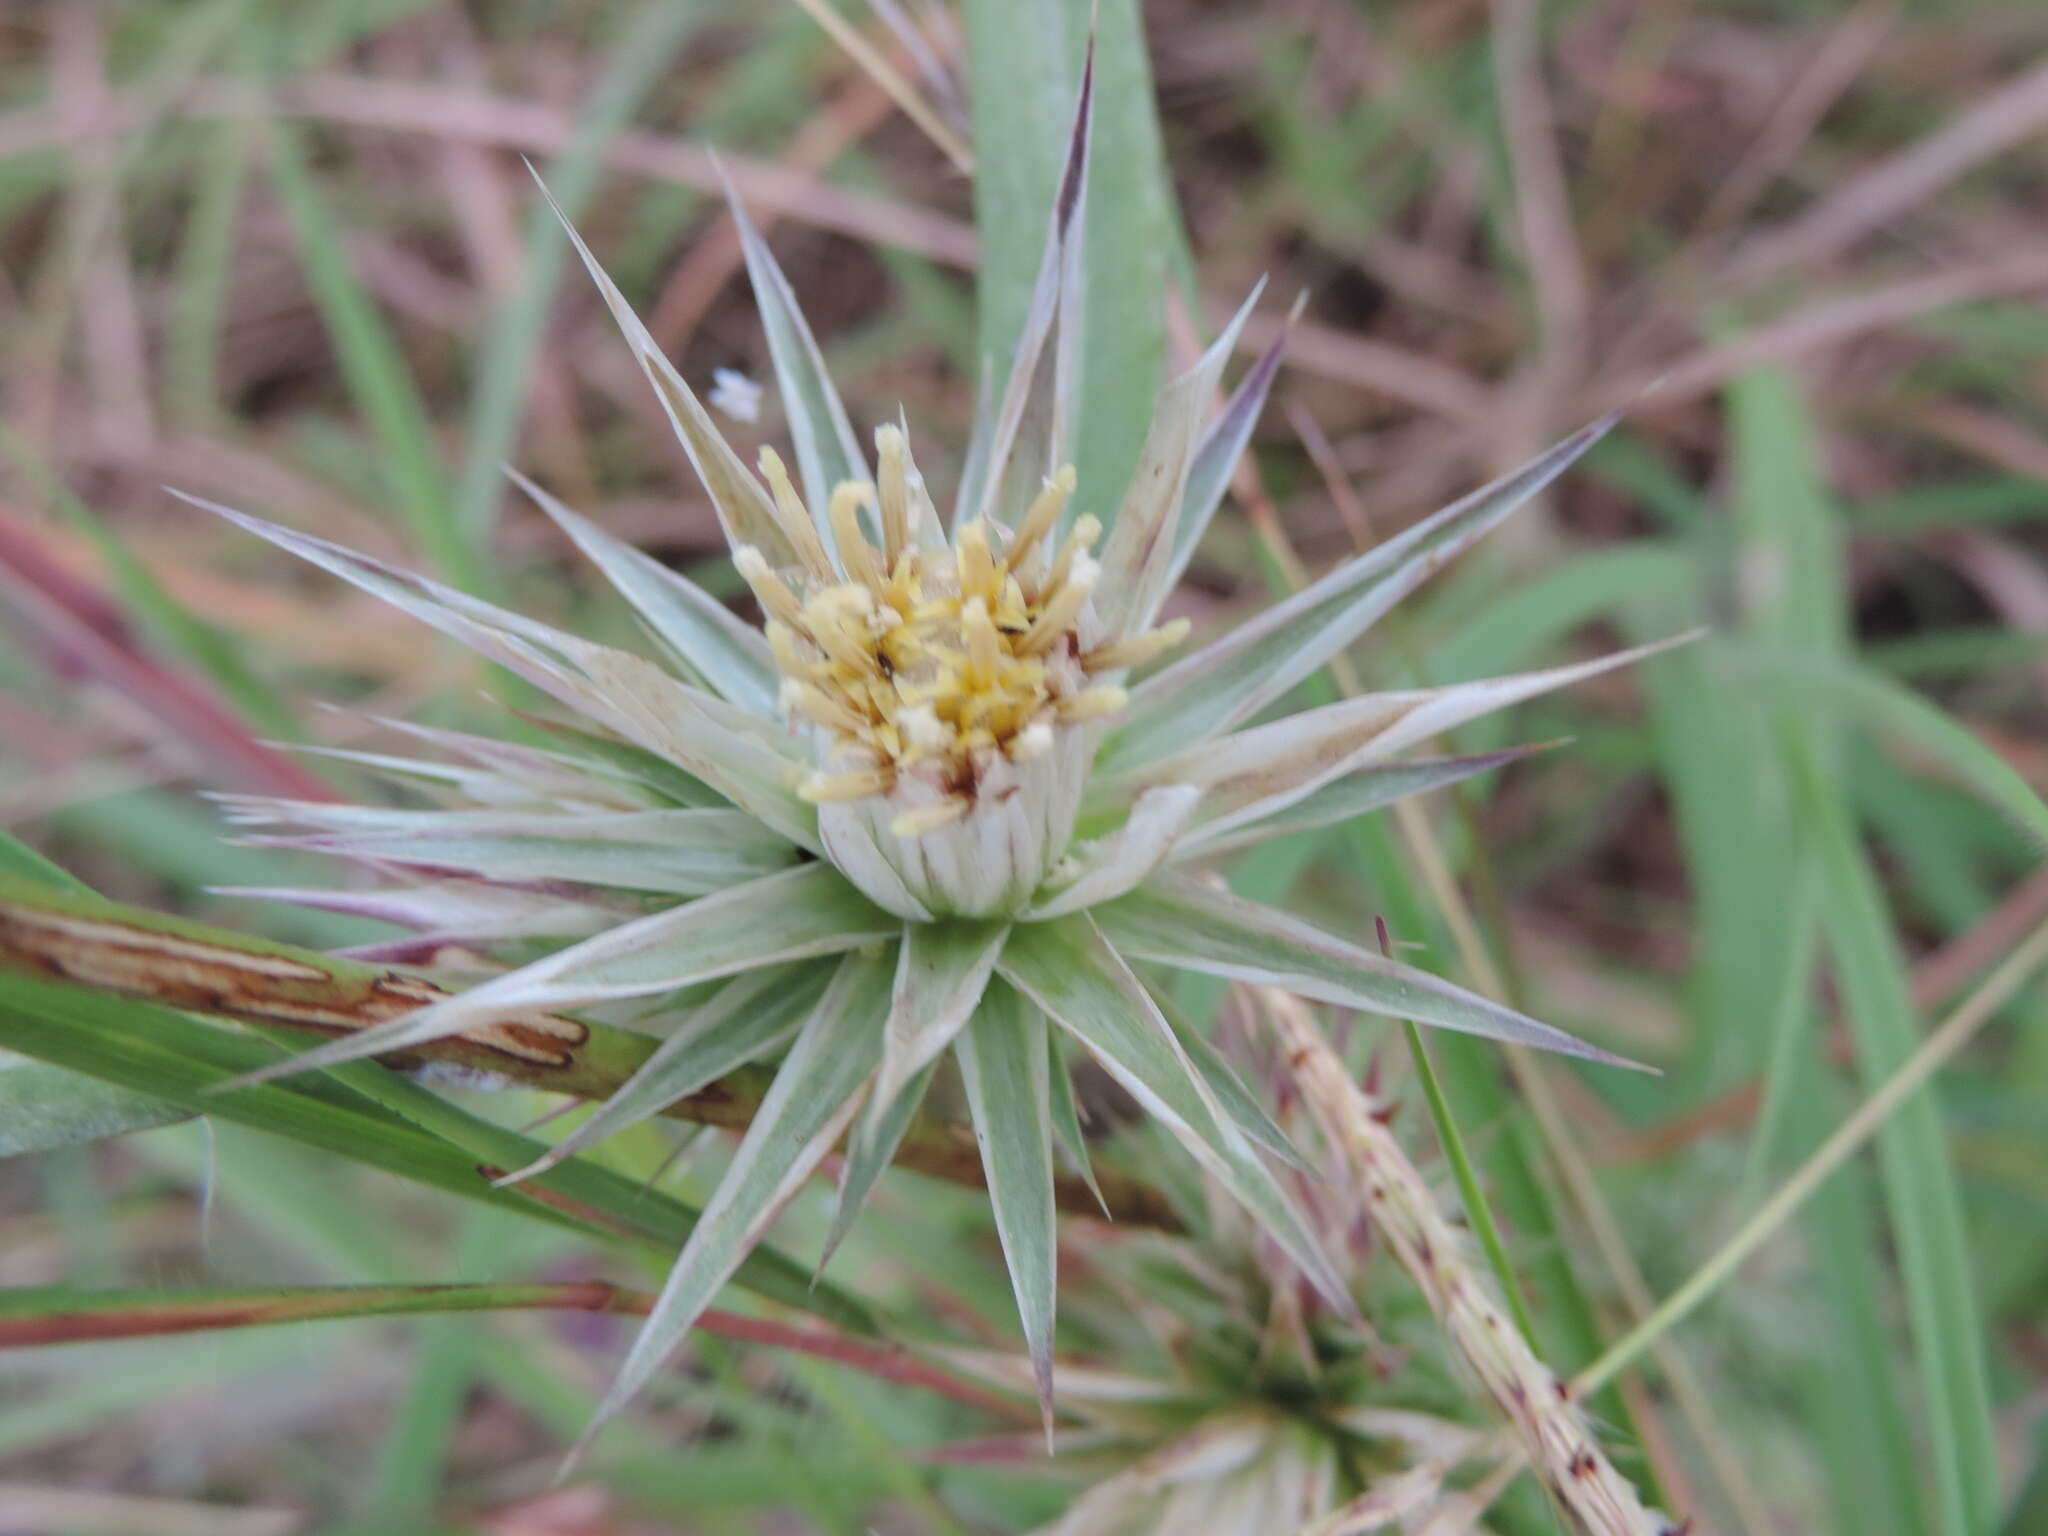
[886, 75]
[189, 966]
[1540, 1406]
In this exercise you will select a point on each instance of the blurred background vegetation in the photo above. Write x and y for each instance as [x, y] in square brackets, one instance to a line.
[286, 256]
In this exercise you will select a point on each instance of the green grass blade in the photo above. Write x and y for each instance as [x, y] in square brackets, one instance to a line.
[1024, 63]
[816, 1092]
[642, 58]
[1923, 1207]
[379, 380]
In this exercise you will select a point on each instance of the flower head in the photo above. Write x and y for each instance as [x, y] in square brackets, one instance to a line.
[923, 816]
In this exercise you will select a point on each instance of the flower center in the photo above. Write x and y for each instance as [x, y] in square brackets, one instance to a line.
[924, 659]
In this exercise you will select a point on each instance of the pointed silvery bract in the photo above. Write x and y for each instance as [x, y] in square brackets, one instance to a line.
[827, 453]
[916, 818]
[1232, 678]
[751, 1016]
[814, 1096]
[708, 637]
[1004, 1063]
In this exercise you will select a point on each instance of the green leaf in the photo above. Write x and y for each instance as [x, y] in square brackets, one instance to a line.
[869, 1156]
[795, 915]
[1024, 63]
[41, 1106]
[1138, 562]
[1356, 794]
[143, 1047]
[677, 853]
[1253, 773]
[744, 509]
[749, 1017]
[827, 452]
[941, 969]
[44, 1107]
[1232, 1097]
[1232, 678]
[1887, 708]
[1071, 972]
[1184, 922]
[23, 863]
[746, 759]
[1029, 434]
[1066, 1121]
[728, 653]
[815, 1095]
[1216, 456]
[1003, 1062]
[1921, 1198]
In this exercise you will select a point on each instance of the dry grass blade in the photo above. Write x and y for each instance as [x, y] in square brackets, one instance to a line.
[900, 90]
[1866, 202]
[1538, 1404]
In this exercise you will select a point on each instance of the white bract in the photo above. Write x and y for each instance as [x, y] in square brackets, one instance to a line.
[923, 813]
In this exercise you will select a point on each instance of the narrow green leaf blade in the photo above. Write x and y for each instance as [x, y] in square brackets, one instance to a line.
[728, 653]
[677, 853]
[827, 452]
[796, 915]
[1356, 794]
[1071, 972]
[1024, 63]
[44, 1107]
[869, 1156]
[749, 1017]
[1003, 1062]
[1181, 921]
[814, 1096]
[941, 969]
[1232, 678]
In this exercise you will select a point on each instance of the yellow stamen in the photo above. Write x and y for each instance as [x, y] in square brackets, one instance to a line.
[815, 704]
[926, 659]
[983, 644]
[771, 589]
[841, 619]
[1091, 703]
[1044, 513]
[1137, 650]
[893, 493]
[855, 552]
[791, 660]
[1078, 543]
[977, 565]
[1062, 606]
[794, 518]
[825, 788]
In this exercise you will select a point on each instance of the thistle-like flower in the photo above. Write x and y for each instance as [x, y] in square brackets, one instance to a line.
[923, 812]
